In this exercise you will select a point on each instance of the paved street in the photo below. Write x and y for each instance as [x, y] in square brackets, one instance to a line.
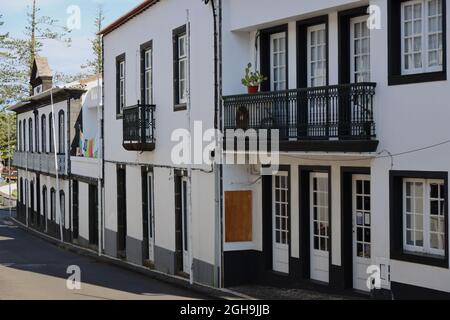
[31, 268]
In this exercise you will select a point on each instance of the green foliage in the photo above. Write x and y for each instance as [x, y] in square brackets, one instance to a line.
[17, 54]
[96, 65]
[252, 78]
[7, 123]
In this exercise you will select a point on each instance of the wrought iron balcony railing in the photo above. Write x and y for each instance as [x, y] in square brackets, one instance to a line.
[139, 127]
[331, 118]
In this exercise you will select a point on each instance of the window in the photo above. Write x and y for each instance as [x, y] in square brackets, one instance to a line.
[419, 217]
[53, 205]
[423, 216]
[19, 138]
[421, 36]
[36, 132]
[44, 134]
[61, 133]
[180, 65]
[30, 135]
[50, 133]
[44, 202]
[417, 50]
[359, 50]
[62, 206]
[38, 89]
[24, 136]
[120, 83]
[146, 73]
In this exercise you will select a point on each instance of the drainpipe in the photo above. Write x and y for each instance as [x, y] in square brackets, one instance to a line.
[189, 166]
[9, 164]
[99, 170]
[58, 197]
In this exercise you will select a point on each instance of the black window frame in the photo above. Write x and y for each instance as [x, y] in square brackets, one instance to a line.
[45, 202]
[52, 204]
[302, 48]
[143, 48]
[36, 131]
[119, 59]
[30, 136]
[397, 251]
[395, 76]
[19, 137]
[176, 34]
[43, 133]
[61, 132]
[344, 41]
[51, 146]
[264, 56]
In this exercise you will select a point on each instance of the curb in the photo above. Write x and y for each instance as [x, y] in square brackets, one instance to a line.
[214, 293]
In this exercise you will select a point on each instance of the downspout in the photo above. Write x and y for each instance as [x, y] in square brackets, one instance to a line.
[99, 172]
[218, 169]
[102, 130]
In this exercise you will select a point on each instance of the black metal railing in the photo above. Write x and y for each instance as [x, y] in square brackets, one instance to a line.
[321, 113]
[139, 127]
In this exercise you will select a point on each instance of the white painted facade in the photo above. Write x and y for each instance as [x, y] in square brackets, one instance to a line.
[408, 117]
[156, 24]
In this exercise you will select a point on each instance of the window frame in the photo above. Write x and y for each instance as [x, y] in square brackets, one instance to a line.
[121, 60]
[19, 138]
[36, 132]
[61, 132]
[398, 251]
[51, 146]
[43, 133]
[30, 135]
[145, 87]
[395, 47]
[179, 103]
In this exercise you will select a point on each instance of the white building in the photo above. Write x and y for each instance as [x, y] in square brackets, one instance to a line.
[46, 132]
[354, 106]
[158, 212]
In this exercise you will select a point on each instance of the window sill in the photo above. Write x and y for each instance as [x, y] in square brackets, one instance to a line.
[417, 78]
[180, 107]
[421, 258]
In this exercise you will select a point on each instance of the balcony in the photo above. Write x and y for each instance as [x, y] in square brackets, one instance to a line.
[336, 118]
[139, 128]
[40, 162]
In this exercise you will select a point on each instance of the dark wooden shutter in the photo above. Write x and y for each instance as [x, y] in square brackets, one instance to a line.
[178, 225]
[145, 222]
[121, 211]
[75, 208]
[238, 216]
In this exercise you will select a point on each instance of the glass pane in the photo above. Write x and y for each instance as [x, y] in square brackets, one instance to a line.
[409, 238]
[419, 238]
[418, 222]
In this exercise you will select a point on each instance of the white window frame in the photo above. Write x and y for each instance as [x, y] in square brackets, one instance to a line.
[426, 249]
[323, 75]
[122, 83]
[353, 71]
[424, 39]
[182, 57]
[278, 67]
[148, 76]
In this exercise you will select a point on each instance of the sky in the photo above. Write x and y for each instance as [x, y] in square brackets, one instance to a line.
[62, 58]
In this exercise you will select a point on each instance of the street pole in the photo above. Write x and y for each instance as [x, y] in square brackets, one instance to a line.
[58, 196]
[9, 163]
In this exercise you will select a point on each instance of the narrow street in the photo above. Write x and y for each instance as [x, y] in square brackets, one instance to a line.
[31, 268]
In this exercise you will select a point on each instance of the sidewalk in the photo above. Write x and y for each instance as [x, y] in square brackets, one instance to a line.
[214, 293]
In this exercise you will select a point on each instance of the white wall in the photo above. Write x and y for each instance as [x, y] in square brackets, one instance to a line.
[157, 24]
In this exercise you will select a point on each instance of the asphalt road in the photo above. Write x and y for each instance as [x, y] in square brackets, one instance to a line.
[31, 268]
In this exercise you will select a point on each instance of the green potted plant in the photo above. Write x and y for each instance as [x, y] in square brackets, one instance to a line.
[252, 79]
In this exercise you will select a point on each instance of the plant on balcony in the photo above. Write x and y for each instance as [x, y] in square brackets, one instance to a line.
[252, 79]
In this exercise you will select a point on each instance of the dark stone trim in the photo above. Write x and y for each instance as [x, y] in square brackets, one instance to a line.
[394, 49]
[264, 41]
[165, 260]
[402, 291]
[204, 272]
[330, 145]
[396, 218]
[346, 277]
[87, 180]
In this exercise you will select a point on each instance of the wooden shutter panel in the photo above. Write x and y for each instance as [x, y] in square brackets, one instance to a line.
[238, 216]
